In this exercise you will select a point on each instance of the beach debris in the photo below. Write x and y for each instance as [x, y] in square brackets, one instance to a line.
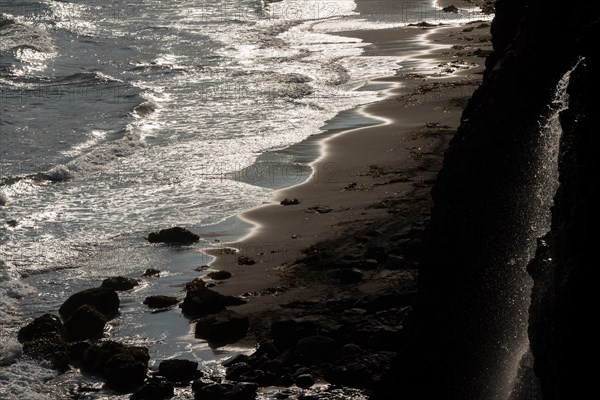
[176, 235]
[219, 275]
[44, 339]
[450, 9]
[289, 202]
[119, 283]
[319, 209]
[243, 260]
[160, 301]
[176, 370]
[151, 272]
[223, 328]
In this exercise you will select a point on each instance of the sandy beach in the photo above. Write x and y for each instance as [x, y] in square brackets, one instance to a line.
[367, 201]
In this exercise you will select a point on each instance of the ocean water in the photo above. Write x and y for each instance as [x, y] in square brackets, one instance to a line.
[121, 117]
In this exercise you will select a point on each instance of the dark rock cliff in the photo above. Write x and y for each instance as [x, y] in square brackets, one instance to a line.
[561, 307]
[470, 327]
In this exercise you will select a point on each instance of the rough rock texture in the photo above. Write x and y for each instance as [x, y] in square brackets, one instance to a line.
[563, 294]
[470, 320]
[44, 339]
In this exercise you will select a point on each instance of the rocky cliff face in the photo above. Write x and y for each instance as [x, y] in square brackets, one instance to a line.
[562, 297]
[471, 322]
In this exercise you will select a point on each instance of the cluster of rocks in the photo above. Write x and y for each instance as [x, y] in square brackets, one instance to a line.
[353, 348]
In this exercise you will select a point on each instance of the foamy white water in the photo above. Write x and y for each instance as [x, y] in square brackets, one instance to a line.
[118, 119]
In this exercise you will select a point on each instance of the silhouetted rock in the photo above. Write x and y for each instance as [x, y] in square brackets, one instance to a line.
[175, 235]
[77, 349]
[304, 381]
[95, 358]
[44, 339]
[160, 301]
[219, 275]
[119, 283]
[85, 323]
[154, 390]
[223, 328]
[179, 370]
[200, 300]
[102, 299]
[123, 372]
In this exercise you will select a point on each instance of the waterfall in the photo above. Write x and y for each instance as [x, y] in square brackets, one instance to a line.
[522, 383]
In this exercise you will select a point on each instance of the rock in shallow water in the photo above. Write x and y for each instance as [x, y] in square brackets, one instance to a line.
[44, 339]
[85, 323]
[201, 301]
[119, 283]
[160, 301]
[224, 328]
[175, 235]
[104, 300]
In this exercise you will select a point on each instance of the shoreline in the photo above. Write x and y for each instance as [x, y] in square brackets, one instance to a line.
[419, 115]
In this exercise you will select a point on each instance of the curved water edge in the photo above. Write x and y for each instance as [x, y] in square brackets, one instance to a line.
[147, 145]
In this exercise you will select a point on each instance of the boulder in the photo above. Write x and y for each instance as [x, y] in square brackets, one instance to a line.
[179, 370]
[175, 235]
[201, 301]
[160, 301]
[223, 328]
[119, 283]
[85, 323]
[154, 390]
[123, 372]
[219, 275]
[95, 358]
[102, 299]
[44, 339]
[316, 346]
[304, 381]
